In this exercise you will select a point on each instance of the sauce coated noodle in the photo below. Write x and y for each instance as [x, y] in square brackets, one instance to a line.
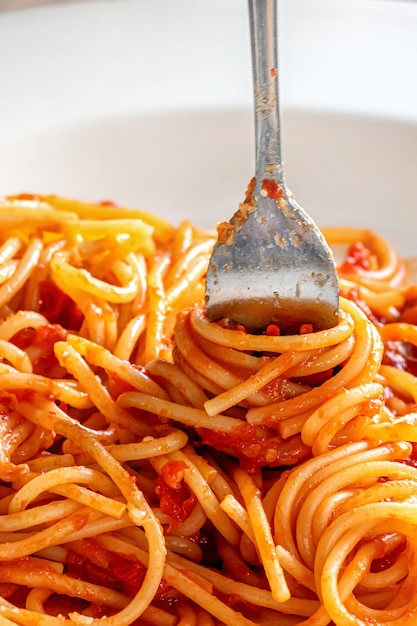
[156, 468]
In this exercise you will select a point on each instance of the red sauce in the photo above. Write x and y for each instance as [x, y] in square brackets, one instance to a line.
[124, 573]
[63, 605]
[358, 258]
[24, 196]
[273, 330]
[354, 295]
[57, 307]
[175, 498]
[408, 314]
[250, 189]
[39, 345]
[225, 233]
[402, 355]
[257, 446]
[18, 597]
[272, 189]
[383, 563]
[250, 611]
[173, 473]
[315, 380]
[102, 567]
[412, 459]
[117, 385]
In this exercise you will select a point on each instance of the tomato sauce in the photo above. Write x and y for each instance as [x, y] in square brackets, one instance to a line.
[257, 446]
[271, 189]
[383, 563]
[39, 345]
[354, 295]
[402, 355]
[358, 258]
[175, 498]
[116, 385]
[123, 573]
[250, 611]
[57, 307]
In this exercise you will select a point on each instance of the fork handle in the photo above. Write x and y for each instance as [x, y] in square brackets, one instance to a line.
[263, 33]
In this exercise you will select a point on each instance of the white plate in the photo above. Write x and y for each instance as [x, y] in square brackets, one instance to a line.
[148, 102]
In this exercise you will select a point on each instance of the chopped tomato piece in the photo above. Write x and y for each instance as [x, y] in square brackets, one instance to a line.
[175, 498]
[173, 473]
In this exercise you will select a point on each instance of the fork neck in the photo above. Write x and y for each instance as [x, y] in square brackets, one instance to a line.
[263, 32]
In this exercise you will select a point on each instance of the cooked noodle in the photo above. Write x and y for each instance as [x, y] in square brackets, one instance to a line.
[156, 468]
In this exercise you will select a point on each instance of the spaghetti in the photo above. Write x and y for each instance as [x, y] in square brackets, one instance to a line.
[156, 468]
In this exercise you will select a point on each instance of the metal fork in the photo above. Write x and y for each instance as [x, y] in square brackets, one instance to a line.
[271, 264]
